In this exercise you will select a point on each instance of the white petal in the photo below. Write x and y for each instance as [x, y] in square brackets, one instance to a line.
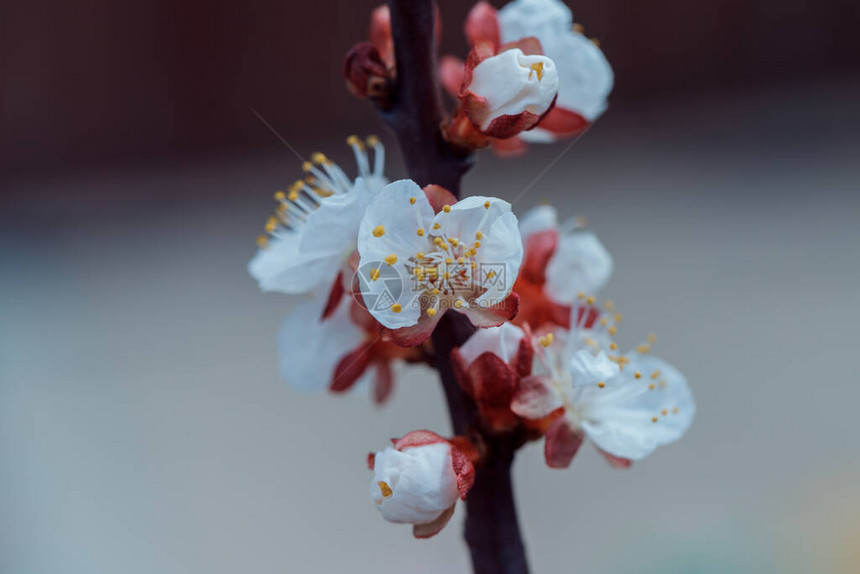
[333, 227]
[580, 264]
[538, 135]
[619, 418]
[584, 75]
[503, 341]
[513, 83]
[309, 349]
[538, 218]
[502, 250]
[588, 369]
[392, 299]
[523, 18]
[422, 483]
[282, 266]
[400, 218]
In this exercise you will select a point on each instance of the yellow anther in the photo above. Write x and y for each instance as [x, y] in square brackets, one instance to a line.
[538, 69]
[595, 41]
[675, 410]
[613, 329]
[479, 235]
[431, 312]
[271, 224]
[580, 295]
[617, 317]
[448, 261]
[643, 348]
[663, 383]
[590, 300]
[486, 205]
[435, 291]
[294, 195]
[458, 303]
[637, 375]
[491, 274]
[655, 374]
[652, 386]
[613, 346]
[665, 412]
[579, 28]
[477, 244]
[419, 232]
[652, 338]
[280, 196]
[384, 489]
[262, 241]
[318, 157]
[412, 201]
[372, 140]
[601, 384]
[396, 308]
[307, 166]
[654, 420]
[374, 274]
[446, 275]
[378, 231]
[609, 305]
[474, 264]
[461, 260]
[454, 241]
[446, 208]
[590, 341]
[281, 209]
[547, 339]
[353, 140]
[436, 226]
[604, 322]
[391, 259]
[419, 255]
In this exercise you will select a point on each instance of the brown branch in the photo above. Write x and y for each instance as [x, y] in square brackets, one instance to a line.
[416, 115]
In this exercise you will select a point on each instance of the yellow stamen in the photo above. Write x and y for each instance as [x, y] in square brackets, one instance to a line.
[654, 420]
[374, 274]
[318, 157]
[446, 208]
[391, 259]
[307, 166]
[280, 196]
[637, 375]
[271, 224]
[486, 205]
[397, 308]
[538, 69]
[458, 304]
[419, 232]
[431, 312]
[643, 348]
[613, 329]
[379, 231]
[590, 300]
[479, 235]
[385, 489]
[372, 140]
[601, 384]
[412, 201]
[547, 339]
[652, 386]
[436, 226]
[262, 241]
[665, 412]
[613, 346]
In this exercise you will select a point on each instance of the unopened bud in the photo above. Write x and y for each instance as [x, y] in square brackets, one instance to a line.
[367, 76]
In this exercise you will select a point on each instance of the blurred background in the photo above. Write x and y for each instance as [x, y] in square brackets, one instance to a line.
[143, 425]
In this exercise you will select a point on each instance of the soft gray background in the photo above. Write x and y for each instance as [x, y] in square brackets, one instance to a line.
[143, 427]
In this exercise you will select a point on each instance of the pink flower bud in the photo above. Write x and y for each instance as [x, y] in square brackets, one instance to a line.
[367, 76]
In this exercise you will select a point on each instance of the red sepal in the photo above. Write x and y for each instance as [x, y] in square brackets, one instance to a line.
[493, 384]
[615, 461]
[417, 438]
[371, 460]
[438, 197]
[350, 367]
[384, 383]
[334, 296]
[561, 444]
[433, 528]
[464, 469]
[414, 334]
[564, 123]
[482, 24]
[494, 315]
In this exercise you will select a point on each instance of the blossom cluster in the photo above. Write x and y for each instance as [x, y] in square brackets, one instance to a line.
[387, 261]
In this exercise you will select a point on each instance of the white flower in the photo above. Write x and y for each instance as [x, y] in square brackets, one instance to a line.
[418, 481]
[626, 404]
[416, 485]
[509, 92]
[585, 77]
[314, 228]
[465, 257]
[579, 261]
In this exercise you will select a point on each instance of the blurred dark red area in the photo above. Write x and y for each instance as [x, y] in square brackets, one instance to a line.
[89, 82]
